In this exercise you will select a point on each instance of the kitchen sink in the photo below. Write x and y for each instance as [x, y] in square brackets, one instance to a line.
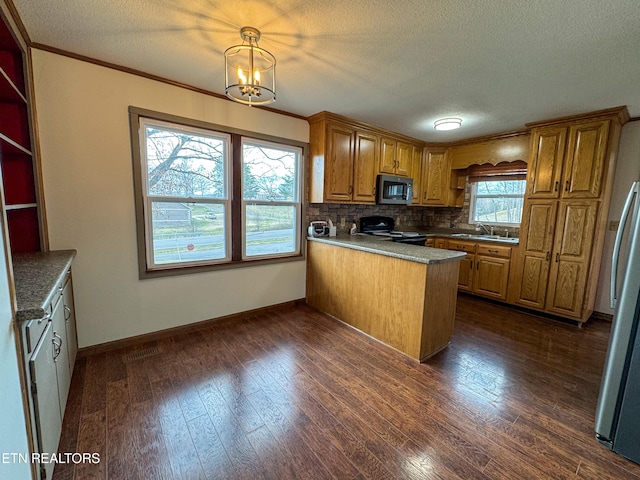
[480, 236]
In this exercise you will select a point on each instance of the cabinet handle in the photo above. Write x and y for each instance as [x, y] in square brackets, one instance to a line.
[350, 189]
[493, 251]
[557, 257]
[566, 186]
[57, 347]
[548, 256]
[67, 311]
[555, 189]
[478, 265]
[425, 195]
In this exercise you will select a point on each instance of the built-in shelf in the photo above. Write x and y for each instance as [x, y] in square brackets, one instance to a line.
[19, 179]
[9, 146]
[8, 91]
[20, 206]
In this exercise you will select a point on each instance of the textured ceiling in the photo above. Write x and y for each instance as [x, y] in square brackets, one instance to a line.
[400, 65]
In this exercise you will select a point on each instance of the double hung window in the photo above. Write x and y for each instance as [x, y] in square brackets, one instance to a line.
[497, 200]
[207, 196]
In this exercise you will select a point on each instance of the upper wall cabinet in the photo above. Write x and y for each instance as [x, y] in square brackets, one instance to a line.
[395, 157]
[568, 161]
[346, 156]
[344, 162]
[19, 179]
[436, 175]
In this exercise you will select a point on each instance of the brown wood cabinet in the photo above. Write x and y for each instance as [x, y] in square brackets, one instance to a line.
[465, 275]
[572, 252]
[564, 217]
[344, 162]
[436, 176]
[19, 174]
[536, 242]
[491, 277]
[396, 157]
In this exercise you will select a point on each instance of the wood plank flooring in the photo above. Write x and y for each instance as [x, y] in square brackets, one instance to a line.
[294, 394]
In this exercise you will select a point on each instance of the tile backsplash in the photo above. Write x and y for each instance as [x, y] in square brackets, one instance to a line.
[406, 217]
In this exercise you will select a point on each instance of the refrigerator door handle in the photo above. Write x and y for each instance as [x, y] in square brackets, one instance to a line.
[613, 294]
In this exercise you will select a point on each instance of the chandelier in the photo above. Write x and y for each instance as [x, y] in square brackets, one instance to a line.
[250, 71]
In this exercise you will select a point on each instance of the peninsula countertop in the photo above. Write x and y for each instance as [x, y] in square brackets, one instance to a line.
[36, 276]
[387, 247]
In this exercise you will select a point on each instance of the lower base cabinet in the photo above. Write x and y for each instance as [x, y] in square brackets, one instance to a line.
[485, 269]
[50, 345]
[45, 397]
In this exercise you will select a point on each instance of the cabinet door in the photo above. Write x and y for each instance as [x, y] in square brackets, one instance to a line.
[339, 164]
[387, 156]
[46, 404]
[436, 174]
[70, 324]
[465, 275]
[491, 277]
[61, 355]
[586, 150]
[571, 257]
[538, 227]
[545, 165]
[365, 168]
[416, 174]
[404, 158]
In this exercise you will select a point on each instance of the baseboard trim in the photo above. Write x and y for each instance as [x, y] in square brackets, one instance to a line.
[602, 316]
[168, 332]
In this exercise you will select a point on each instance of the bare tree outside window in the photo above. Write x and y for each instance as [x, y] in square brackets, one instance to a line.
[497, 201]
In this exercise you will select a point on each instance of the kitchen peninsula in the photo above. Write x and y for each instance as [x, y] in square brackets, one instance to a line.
[403, 295]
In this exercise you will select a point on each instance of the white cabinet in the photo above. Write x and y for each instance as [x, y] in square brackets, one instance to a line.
[48, 335]
[45, 397]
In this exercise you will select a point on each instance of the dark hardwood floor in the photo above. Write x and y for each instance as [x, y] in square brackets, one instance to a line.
[294, 394]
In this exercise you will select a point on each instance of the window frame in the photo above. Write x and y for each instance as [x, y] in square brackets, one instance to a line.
[234, 227]
[297, 201]
[493, 178]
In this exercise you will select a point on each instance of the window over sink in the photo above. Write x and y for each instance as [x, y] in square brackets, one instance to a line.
[497, 200]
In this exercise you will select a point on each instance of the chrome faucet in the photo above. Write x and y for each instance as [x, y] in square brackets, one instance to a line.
[484, 227]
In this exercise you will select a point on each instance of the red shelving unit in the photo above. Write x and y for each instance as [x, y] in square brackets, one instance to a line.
[16, 156]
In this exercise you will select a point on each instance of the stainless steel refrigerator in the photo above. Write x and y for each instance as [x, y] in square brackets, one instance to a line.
[618, 413]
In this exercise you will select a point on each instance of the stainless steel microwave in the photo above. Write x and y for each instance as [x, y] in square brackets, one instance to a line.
[394, 190]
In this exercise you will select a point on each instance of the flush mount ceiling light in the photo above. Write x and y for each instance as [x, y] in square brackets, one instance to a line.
[447, 123]
[250, 71]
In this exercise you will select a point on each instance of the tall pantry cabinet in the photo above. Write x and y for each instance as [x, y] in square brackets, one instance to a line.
[565, 211]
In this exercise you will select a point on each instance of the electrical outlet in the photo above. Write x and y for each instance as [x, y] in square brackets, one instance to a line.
[613, 225]
[343, 222]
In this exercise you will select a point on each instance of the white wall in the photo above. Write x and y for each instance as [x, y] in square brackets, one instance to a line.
[627, 170]
[88, 188]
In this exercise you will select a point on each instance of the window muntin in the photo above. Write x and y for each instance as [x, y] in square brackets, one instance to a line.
[497, 200]
[186, 185]
[270, 199]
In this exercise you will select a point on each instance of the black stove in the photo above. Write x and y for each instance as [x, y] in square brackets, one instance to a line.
[384, 226]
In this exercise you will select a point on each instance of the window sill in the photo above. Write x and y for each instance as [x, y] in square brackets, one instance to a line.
[187, 270]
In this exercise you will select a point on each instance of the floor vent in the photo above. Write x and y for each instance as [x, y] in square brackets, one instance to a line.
[140, 354]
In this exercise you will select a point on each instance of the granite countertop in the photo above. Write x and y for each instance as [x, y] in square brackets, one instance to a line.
[36, 276]
[385, 246]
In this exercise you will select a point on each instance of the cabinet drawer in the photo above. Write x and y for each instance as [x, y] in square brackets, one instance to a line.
[34, 331]
[461, 246]
[494, 250]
